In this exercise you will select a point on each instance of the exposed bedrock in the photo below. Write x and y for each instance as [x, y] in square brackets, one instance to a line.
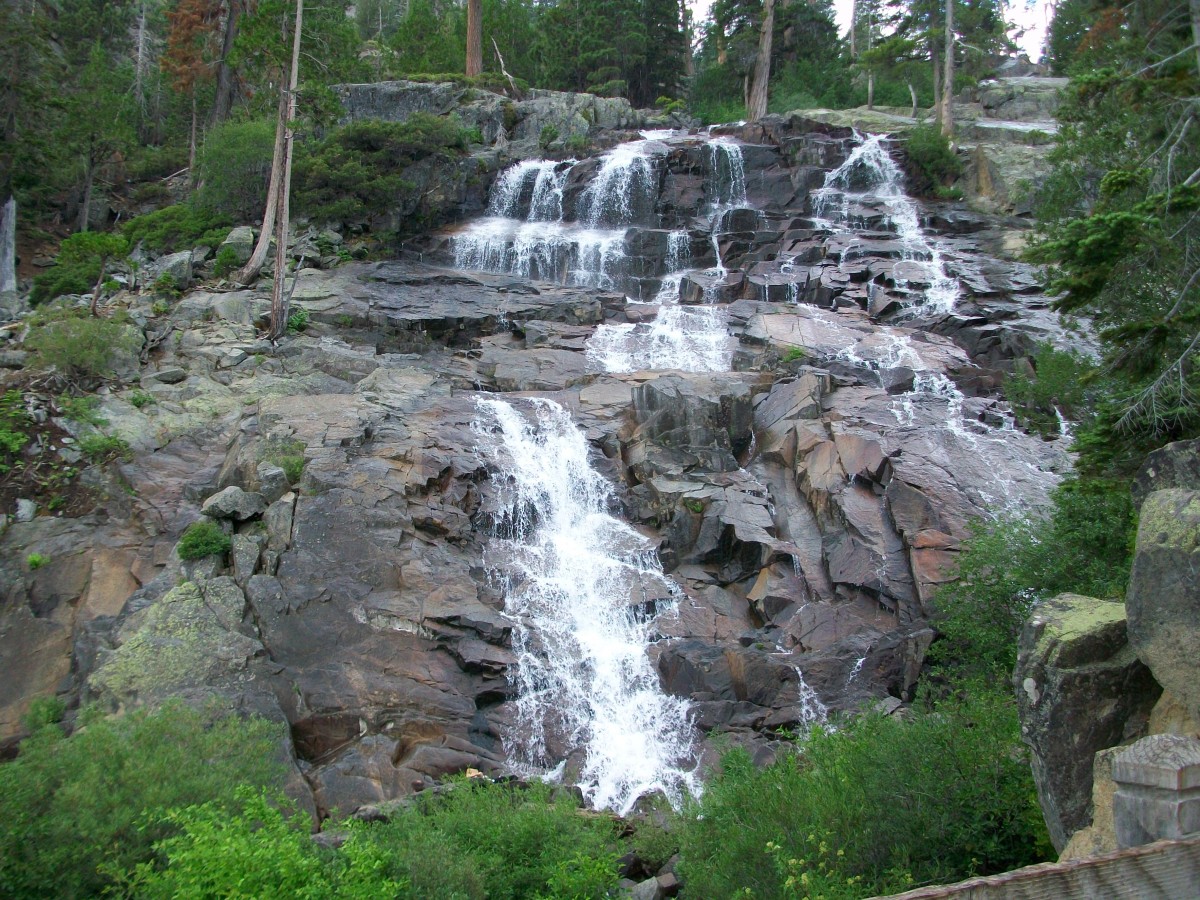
[807, 494]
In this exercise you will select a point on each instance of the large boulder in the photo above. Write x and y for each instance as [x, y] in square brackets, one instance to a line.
[1176, 465]
[1080, 689]
[1164, 593]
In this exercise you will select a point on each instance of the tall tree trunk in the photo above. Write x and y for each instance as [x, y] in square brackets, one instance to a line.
[853, 29]
[279, 302]
[937, 82]
[756, 107]
[223, 100]
[1195, 6]
[689, 35]
[871, 89]
[948, 76]
[254, 264]
[192, 141]
[89, 179]
[474, 38]
[8, 245]
[139, 67]
[912, 92]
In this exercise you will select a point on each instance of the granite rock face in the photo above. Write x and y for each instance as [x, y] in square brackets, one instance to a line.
[1164, 593]
[807, 503]
[1080, 689]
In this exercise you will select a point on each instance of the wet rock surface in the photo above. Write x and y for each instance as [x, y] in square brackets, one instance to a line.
[807, 505]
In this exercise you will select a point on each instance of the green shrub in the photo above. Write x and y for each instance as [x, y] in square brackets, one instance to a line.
[234, 166]
[547, 136]
[499, 841]
[936, 797]
[1083, 546]
[357, 171]
[298, 321]
[140, 399]
[35, 561]
[227, 261]
[84, 409]
[1060, 384]
[81, 346]
[203, 538]
[166, 286]
[14, 425]
[178, 227]
[932, 161]
[81, 259]
[101, 448]
[288, 455]
[70, 805]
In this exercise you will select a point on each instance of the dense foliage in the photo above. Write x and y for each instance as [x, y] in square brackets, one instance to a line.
[874, 807]
[76, 811]
[359, 170]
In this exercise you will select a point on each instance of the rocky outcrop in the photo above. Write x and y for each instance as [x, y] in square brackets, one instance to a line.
[1080, 689]
[806, 505]
[1164, 597]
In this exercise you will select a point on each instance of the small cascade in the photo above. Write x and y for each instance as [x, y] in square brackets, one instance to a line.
[855, 670]
[622, 189]
[583, 590]
[870, 177]
[687, 338]
[812, 711]
[526, 233]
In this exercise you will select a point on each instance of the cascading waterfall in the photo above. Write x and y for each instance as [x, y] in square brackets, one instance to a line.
[583, 590]
[870, 174]
[534, 239]
[687, 338]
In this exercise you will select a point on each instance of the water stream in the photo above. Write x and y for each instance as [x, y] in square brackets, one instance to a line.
[870, 179]
[584, 590]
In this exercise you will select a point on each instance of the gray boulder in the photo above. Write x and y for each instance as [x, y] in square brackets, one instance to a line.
[234, 503]
[177, 265]
[1164, 594]
[1176, 465]
[1080, 689]
[241, 242]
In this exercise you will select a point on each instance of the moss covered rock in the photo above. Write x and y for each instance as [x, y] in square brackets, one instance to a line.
[1080, 688]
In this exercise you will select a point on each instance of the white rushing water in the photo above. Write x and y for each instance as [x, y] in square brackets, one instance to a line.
[869, 177]
[583, 590]
[687, 338]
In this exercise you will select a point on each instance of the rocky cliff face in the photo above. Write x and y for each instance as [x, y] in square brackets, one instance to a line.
[805, 485]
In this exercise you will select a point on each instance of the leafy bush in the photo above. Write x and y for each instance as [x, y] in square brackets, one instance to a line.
[499, 841]
[939, 796]
[203, 538]
[1007, 566]
[35, 561]
[178, 227]
[140, 399]
[234, 167]
[70, 805]
[548, 135]
[101, 448]
[84, 409]
[255, 852]
[489, 840]
[932, 163]
[226, 261]
[298, 321]
[82, 346]
[1059, 384]
[81, 258]
[356, 172]
[14, 425]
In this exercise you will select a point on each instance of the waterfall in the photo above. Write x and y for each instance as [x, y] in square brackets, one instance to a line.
[526, 233]
[687, 338]
[870, 174]
[583, 590]
[812, 710]
[626, 177]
